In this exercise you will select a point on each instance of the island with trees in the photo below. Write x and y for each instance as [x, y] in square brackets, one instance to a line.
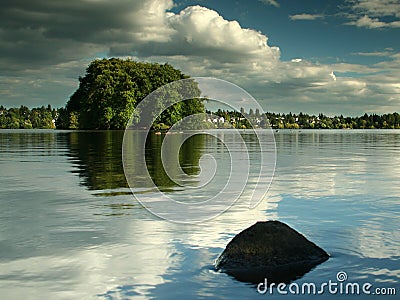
[112, 88]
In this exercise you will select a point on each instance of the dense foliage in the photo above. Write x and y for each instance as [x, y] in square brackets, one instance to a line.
[25, 118]
[111, 89]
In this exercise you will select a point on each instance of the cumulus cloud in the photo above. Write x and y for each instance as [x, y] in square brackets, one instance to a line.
[205, 29]
[373, 23]
[378, 8]
[372, 14]
[306, 17]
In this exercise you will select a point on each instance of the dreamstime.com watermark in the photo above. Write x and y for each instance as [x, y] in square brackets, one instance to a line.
[340, 286]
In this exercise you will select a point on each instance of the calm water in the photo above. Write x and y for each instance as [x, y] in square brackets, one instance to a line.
[71, 229]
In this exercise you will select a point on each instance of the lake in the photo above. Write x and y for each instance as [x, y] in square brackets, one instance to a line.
[70, 227]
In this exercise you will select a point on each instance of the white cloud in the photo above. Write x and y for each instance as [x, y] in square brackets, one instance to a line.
[373, 23]
[270, 2]
[371, 14]
[150, 21]
[387, 53]
[203, 32]
[377, 8]
[332, 74]
[306, 17]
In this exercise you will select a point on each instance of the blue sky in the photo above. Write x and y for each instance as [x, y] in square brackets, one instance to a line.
[335, 57]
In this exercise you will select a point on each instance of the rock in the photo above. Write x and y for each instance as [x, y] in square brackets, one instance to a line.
[269, 250]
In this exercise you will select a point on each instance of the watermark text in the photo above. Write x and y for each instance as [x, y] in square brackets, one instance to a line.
[340, 286]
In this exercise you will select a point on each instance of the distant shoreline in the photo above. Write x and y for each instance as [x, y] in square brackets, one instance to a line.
[47, 117]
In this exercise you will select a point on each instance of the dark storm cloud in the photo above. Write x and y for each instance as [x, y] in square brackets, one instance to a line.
[74, 19]
[43, 32]
[46, 44]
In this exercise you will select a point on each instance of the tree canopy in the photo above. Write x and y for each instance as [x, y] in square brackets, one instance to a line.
[111, 89]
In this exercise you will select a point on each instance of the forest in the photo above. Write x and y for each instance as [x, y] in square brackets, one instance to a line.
[25, 118]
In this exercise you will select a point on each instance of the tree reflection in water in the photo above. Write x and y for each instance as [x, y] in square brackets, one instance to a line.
[98, 158]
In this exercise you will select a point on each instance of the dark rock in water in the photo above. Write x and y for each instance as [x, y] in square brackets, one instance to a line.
[269, 250]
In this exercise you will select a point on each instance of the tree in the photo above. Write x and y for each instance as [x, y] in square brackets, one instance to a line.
[111, 89]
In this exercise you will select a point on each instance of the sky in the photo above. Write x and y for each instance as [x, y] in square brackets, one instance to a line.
[334, 57]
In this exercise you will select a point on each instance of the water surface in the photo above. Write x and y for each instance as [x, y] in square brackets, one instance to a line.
[71, 229]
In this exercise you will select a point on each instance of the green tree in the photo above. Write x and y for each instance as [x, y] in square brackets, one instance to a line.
[111, 89]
